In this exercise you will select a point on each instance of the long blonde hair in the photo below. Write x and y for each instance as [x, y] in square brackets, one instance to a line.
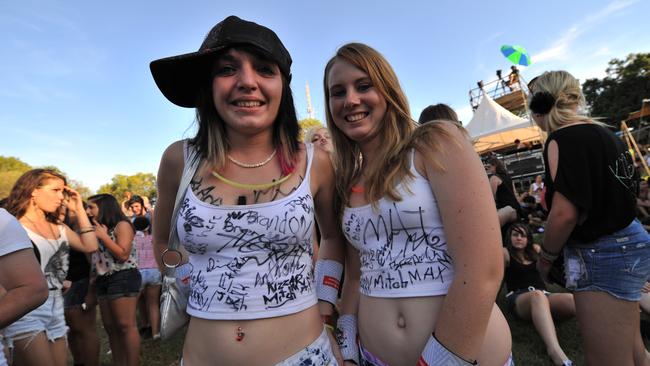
[569, 99]
[391, 163]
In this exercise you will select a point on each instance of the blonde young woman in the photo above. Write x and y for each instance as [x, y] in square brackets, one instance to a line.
[425, 264]
[590, 192]
[247, 216]
[320, 136]
[35, 199]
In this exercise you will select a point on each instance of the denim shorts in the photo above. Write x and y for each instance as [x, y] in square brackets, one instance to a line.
[3, 360]
[46, 318]
[150, 277]
[76, 294]
[618, 264]
[513, 295]
[124, 283]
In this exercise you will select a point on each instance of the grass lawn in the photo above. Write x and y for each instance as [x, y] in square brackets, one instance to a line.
[527, 347]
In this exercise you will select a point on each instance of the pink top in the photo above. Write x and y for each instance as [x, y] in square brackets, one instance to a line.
[144, 247]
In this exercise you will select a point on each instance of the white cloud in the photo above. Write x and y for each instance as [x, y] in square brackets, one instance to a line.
[561, 48]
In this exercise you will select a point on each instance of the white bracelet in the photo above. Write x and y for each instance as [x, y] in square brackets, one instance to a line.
[435, 353]
[346, 337]
[328, 280]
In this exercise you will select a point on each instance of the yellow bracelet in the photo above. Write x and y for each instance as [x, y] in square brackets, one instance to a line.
[327, 326]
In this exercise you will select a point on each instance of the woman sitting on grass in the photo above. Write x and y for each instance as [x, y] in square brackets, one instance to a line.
[527, 296]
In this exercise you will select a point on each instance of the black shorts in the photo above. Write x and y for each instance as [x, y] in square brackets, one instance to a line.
[125, 283]
[76, 294]
[513, 295]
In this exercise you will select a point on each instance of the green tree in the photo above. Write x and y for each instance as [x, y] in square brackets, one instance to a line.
[143, 184]
[306, 124]
[84, 191]
[11, 169]
[620, 92]
[9, 163]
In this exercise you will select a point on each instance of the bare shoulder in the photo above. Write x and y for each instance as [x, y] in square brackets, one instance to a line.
[322, 172]
[172, 157]
[495, 178]
[441, 137]
[124, 227]
[431, 139]
[441, 145]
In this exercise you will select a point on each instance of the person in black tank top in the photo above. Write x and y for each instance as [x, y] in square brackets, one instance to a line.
[527, 295]
[508, 207]
[80, 303]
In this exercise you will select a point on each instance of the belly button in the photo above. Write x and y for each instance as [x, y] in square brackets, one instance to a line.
[401, 322]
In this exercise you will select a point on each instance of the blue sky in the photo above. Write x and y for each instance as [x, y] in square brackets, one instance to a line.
[76, 91]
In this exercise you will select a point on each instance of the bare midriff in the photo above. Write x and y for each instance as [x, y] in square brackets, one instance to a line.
[263, 341]
[395, 330]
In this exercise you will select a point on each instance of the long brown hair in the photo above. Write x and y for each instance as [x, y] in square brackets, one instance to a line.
[392, 162]
[21, 193]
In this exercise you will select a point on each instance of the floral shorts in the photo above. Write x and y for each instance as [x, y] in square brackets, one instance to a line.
[318, 353]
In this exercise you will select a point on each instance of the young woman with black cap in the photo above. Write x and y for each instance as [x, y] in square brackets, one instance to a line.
[425, 263]
[247, 216]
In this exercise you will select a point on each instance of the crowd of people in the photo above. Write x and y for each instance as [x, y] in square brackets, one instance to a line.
[83, 254]
[377, 241]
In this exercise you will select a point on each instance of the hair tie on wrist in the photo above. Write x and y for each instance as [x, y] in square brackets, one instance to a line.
[542, 102]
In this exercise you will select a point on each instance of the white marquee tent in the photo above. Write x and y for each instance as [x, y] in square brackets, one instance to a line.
[494, 127]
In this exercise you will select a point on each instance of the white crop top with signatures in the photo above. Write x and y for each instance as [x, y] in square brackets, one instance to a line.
[250, 261]
[402, 245]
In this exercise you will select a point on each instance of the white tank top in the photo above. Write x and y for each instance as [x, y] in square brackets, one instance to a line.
[402, 245]
[53, 256]
[250, 261]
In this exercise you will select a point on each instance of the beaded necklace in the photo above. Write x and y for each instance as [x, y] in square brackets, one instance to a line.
[253, 165]
[255, 187]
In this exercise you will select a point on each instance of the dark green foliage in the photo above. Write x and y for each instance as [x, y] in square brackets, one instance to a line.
[621, 92]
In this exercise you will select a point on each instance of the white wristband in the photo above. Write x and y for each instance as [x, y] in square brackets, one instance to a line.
[346, 337]
[435, 353]
[328, 280]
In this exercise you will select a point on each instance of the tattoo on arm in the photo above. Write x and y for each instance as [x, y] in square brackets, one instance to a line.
[205, 193]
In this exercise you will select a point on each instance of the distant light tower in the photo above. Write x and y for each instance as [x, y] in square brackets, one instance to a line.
[310, 111]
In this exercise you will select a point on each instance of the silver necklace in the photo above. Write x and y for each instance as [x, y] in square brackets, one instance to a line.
[254, 165]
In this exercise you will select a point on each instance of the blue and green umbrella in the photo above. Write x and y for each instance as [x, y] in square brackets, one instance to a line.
[516, 54]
